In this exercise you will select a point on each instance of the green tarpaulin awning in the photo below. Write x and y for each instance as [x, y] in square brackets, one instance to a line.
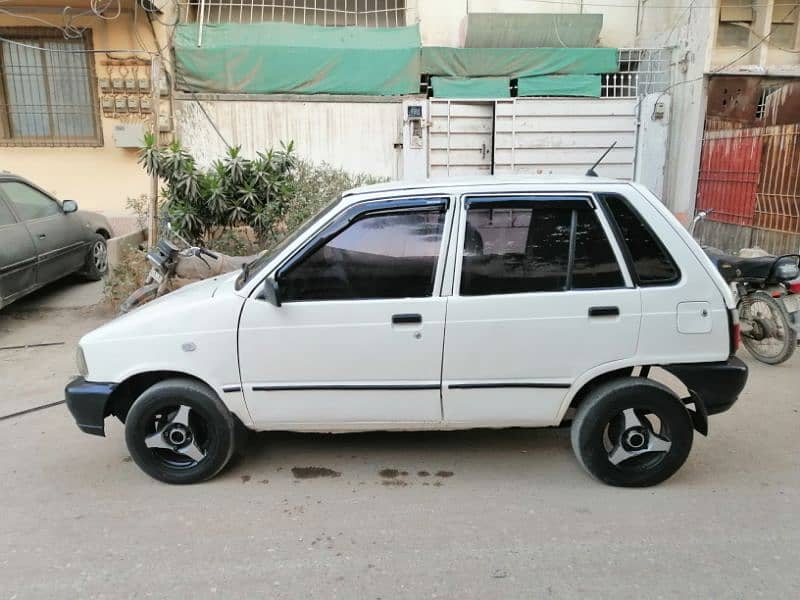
[516, 62]
[478, 87]
[533, 30]
[559, 85]
[267, 58]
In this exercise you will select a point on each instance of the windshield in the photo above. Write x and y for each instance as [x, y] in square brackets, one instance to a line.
[249, 271]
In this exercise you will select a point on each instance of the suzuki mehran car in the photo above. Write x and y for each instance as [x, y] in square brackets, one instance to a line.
[456, 304]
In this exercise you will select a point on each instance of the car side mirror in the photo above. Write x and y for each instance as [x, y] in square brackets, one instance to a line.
[69, 206]
[270, 292]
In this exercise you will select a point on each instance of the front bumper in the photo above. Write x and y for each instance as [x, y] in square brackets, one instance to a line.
[714, 386]
[87, 401]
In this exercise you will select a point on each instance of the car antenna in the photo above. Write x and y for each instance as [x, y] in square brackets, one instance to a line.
[591, 172]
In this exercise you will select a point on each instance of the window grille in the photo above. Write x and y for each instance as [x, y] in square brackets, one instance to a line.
[328, 13]
[642, 71]
[48, 97]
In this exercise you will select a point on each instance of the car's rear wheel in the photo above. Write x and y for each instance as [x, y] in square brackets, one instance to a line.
[632, 432]
[97, 259]
[179, 431]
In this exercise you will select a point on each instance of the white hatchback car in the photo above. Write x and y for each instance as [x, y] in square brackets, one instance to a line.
[486, 302]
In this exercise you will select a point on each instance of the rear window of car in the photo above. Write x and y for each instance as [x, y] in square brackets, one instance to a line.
[651, 263]
[518, 245]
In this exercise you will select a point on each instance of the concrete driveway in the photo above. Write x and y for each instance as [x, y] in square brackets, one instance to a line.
[477, 514]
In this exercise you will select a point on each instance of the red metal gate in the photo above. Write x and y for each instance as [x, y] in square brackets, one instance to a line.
[730, 166]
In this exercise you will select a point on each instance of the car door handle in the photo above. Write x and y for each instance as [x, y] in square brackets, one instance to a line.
[42, 236]
[406, 319]
[604, 311]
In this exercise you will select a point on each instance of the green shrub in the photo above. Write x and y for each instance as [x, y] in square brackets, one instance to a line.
[305, 190]
[233, 192]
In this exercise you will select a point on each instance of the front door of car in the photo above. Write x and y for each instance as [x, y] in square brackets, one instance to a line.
[17, 256]
[357, 338]
[60, 241]
[540, 299]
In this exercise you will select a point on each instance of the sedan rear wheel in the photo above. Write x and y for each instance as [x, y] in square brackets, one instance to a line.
[97, 259]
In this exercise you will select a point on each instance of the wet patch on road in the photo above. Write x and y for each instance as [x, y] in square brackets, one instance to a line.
[313, 472]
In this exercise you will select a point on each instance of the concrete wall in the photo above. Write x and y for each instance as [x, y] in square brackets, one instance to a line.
[99, 178]
[360, 137]
[686, 31]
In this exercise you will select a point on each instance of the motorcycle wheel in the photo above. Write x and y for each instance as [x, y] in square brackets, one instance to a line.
[771, 339]
[139, 297]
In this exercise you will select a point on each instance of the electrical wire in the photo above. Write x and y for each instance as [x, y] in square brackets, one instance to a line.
[723, 67]
[672, 29]
[75, 51]
[210, 120]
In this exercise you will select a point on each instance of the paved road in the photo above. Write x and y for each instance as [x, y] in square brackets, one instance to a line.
[479, 514]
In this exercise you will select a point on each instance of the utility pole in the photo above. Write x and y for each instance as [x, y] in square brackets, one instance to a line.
[152, 216]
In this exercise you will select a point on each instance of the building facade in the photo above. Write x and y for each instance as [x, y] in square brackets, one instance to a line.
[412, 88]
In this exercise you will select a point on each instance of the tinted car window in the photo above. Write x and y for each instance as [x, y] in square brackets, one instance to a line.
[515, 250]
[595, 265]
[651, 262]
[527, 249]
[28, 202]
[6, 218]
[378, 256]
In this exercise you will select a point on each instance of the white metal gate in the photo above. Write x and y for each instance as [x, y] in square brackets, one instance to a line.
[532, 135]
[460, 137]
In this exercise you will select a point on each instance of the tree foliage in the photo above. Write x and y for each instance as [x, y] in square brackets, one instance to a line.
[234, 191]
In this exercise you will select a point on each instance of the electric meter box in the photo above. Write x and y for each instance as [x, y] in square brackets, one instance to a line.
[129, 135]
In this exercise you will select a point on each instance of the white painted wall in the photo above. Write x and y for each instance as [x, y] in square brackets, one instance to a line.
[653, 142]
[359, 137]
[688, 31]
[443, 22]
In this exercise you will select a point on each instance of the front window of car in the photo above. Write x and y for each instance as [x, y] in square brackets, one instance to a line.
[251, 269]
[380, 255]
[28, 202]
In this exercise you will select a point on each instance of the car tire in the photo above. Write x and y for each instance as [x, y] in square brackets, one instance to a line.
[96, 259]
[179, 431]
[632, 432]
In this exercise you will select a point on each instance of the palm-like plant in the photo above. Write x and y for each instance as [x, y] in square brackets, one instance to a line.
[232, 192]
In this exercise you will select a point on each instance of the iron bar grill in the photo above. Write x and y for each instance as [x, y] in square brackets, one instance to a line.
[327, 13]
[48, 97]
[642, 71]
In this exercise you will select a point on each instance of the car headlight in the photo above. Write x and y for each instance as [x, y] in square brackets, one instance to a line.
[80, 360]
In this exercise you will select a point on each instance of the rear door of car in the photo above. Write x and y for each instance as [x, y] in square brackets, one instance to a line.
[61, 243]
[17, 256]
[541, 297]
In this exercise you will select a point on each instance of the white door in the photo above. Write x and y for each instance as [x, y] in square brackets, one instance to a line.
[540, 298]
[545, 136]
[358, 337]
[460, 138]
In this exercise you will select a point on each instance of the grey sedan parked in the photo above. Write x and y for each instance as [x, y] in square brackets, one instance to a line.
[42, 239]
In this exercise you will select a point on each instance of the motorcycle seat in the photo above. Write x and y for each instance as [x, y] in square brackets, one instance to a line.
[735, 267]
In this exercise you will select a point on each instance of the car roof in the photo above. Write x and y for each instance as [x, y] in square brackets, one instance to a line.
[481, 181]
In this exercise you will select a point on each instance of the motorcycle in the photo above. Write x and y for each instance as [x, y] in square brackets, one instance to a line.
[767, 294]
[169, 262]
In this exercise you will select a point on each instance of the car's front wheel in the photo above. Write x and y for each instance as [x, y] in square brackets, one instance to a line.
[632, 432]
[179, 431]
